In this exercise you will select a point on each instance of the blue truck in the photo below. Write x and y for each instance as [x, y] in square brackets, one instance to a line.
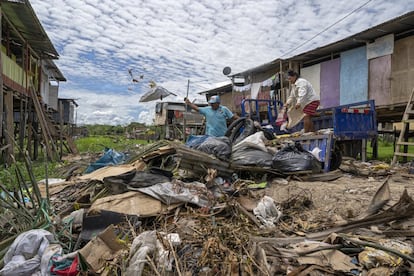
[340, 130]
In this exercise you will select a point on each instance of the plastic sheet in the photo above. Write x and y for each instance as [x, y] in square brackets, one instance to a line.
[179, 192]
[252, 151]
[135, 179]
[110, 157]
[194, 141]
[217, 146]
[267, 212]
[144, 245]
[25, 253]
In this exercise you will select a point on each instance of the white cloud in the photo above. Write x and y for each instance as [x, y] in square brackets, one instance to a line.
[173, 41]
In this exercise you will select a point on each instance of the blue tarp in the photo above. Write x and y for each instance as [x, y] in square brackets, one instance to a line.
[110, 157]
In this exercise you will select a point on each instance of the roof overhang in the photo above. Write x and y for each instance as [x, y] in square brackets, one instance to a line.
[273, 65]
[22, 16]
[53, 70]
[69, 100]
[401, 26]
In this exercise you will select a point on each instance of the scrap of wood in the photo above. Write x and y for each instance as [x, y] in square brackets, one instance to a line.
[377, 246]
[381, 197]
[407, 175]
[247, 213]
[101, 173]
[328, 176]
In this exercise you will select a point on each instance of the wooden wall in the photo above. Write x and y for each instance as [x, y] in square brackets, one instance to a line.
[402, 70]
[380, 80]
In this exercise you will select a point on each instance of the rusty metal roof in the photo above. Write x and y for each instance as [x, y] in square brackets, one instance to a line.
[401, 26]
[22, 16]
[54, 70]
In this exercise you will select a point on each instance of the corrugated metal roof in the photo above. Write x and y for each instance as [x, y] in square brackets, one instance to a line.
[22, 16]
[54, 70]
[400, 26]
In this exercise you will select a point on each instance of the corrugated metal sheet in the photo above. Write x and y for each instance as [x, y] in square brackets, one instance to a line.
[24, 19]
[400, 26]
[354, 76]
[53, 70]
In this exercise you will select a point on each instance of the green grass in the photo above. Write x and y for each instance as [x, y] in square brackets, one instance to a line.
[99, 143]
[93, 144]
[8, 176]
[386, 150]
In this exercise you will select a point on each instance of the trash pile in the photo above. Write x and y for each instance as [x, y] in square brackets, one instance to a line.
[212, 208]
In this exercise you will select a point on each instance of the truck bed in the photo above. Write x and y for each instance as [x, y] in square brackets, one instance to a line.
[337, 127]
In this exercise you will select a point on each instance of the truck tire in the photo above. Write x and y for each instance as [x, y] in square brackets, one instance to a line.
[336, 159]
[240, 129]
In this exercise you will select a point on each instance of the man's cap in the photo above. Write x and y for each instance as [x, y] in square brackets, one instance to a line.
[292, 73]
[214, 99]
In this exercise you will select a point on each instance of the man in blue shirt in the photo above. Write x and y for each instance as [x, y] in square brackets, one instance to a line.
[216, 116]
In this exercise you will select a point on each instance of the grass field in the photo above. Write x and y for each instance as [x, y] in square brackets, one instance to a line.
[385, 152]
[99, 143]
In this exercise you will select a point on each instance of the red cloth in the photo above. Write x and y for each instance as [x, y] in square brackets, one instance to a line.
[310, 109]
[64, 270]
[281, 117]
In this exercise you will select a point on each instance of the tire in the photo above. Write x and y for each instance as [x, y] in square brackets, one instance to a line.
[336, 159]
[235, 125]
[240, 129]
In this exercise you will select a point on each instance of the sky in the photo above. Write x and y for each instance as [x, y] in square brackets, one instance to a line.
[176, 42]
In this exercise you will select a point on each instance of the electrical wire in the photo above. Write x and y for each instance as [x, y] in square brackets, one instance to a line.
[327, 28]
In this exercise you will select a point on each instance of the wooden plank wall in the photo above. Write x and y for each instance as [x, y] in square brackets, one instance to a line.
[402, 70]
[380, 80]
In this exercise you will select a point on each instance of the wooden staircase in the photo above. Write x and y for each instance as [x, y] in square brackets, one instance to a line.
[403, 142]
[60, 133]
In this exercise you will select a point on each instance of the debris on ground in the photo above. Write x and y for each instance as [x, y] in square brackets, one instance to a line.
[172, 209]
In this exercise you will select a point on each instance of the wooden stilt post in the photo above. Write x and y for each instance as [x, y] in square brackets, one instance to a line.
[9, 127]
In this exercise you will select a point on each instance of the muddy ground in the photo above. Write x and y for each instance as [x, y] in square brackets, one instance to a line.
[341, 199]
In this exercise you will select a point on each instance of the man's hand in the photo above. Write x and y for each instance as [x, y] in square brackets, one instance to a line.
[190, 104]
[297, 106]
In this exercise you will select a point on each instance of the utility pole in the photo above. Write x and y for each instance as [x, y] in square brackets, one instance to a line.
[185, 113]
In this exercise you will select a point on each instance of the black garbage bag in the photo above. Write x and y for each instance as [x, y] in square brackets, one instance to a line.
[217, 146]
[293, 158]
[136, 179]
[252, 157]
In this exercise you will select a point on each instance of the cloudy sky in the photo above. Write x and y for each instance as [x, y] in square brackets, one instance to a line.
[173, 41]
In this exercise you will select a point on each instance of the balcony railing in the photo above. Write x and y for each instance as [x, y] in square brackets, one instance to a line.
[13, 71]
